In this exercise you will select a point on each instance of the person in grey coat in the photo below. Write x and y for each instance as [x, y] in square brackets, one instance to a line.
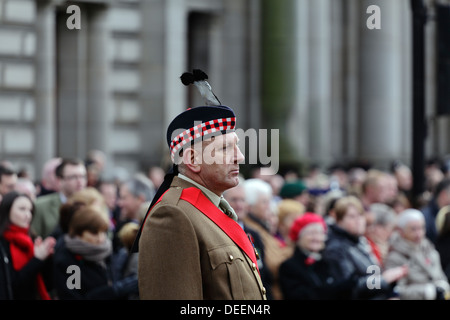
[425, 280]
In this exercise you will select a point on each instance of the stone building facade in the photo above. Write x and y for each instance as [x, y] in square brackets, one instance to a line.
[114, 83]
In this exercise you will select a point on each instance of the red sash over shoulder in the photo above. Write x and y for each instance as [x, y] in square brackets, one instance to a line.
[195, 197]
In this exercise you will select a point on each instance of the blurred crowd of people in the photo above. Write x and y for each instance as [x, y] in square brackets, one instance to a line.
[340, 233]
[349, 233]
[69, 235]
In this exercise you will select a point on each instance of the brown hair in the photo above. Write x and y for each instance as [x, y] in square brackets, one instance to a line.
[66, 212]
[88, 218]
[342, 205]
[59, 170]
[372, 178]
[86, 197]
[128, 233]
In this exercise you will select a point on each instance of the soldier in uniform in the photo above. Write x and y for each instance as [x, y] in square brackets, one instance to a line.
[190, 244]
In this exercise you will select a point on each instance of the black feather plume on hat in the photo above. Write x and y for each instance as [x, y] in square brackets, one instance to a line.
[188, 78]
[198, 78]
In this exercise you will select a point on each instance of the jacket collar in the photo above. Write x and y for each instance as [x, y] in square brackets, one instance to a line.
[211, 195]
[338, 231]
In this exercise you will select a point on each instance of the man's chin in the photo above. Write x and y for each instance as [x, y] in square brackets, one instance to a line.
[234, 182]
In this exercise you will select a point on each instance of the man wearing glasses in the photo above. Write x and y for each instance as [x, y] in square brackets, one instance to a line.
[71, 176]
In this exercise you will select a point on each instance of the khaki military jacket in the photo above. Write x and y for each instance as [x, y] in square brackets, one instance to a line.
[183, 254]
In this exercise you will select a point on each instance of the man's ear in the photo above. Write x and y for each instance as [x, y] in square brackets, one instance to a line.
[191, 159]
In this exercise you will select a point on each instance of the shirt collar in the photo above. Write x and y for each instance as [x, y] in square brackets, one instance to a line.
[62, 197]
[211, 195]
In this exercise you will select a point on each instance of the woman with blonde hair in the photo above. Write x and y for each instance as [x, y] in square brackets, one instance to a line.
[288, 211]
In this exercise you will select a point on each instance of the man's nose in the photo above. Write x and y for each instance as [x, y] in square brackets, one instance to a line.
[239, 156]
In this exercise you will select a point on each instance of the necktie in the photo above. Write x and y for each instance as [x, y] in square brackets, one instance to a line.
[227, 209]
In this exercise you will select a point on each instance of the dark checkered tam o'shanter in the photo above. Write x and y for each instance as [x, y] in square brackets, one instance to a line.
[199, 123]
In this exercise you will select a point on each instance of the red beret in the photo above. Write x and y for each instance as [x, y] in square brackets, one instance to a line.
[302, 222]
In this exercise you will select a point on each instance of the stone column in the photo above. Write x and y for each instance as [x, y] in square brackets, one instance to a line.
[45, 138]
[235, 91]
[380, 84]
[278, 79]
[98, 116]
[298, 122]
[72, 84]
[152, 75]
[163, 60]
[349, 127]
[320, 81]
[175, 46]
[253, 45]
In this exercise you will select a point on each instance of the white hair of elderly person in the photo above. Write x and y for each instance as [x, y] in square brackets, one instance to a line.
[409, 246]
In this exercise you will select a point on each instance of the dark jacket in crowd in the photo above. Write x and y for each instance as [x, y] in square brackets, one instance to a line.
[443, 247]
[430, 212]
[18, 284]
[303, 279]
[97, 282]
[350, 257]
[266, 275]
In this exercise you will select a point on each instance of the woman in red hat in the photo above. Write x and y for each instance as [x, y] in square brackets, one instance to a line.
[306, 276]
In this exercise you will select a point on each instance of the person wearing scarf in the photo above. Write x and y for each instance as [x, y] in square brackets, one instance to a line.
[23, 258]
[87, 246]
[409, 246]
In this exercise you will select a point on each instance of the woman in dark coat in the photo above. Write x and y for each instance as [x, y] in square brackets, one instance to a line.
[83, 261]
[22, 259]
[350, 253]
[306, 276]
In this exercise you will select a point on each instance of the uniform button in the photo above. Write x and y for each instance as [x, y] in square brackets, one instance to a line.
[231, 257]
[263, 290]
[253, 266]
